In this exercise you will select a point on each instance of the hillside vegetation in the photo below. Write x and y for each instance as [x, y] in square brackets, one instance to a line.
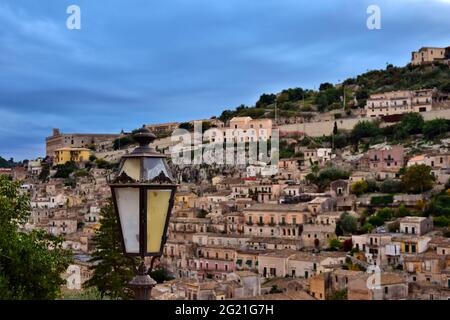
[300, 102]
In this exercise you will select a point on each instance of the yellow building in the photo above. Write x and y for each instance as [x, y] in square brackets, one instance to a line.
[64, 155]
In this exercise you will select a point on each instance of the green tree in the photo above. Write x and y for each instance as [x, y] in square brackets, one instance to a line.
[265, 100]
[411, 123]
[359, 187]
[364, 129]
[402, 211]
[385, 214]
[391, 186]
[334, 245]
[28, 268]
[64, 170]
[325, 86]
[112, 270]
[102, 164]
[375, 221]
[367, 227]
[418, 179]
[439, 205]
[435, 128]
[348, 223]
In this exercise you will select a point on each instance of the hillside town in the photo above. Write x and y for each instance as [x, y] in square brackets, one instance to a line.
[361, 193]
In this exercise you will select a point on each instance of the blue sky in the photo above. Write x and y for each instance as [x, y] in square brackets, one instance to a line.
[147, 61]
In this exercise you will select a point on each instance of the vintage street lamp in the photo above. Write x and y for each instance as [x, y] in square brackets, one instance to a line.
[143, 194]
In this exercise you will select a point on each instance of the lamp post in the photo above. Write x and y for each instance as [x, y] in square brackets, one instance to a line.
[143, 194]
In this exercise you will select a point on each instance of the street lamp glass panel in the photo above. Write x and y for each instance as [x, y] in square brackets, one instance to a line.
[153, 168]
[132, 168]
[157, 209]
[128, 207]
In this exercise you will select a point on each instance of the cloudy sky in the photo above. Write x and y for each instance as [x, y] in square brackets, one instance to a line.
[148, 61]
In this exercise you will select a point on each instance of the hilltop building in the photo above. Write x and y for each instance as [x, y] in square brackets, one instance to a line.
[60, 140]
[399, 102]
[430, 54]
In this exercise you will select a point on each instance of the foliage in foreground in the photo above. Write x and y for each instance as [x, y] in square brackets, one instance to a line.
[30, 262]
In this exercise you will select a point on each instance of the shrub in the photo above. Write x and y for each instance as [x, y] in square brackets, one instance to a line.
[382, 200]
[391, 186]
[359, 188]
[441, 221]
[375, 221]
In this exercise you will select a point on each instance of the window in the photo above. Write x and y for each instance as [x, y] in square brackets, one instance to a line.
[386, 290]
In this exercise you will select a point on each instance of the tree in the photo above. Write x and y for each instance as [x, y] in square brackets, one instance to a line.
[112, 270]
[439, 205]
[348, 223]
[390, 186]
[334, 245]
[364, 129]
[265, 100]
[325, 86]
[359, 188]
[372, 185]
[28, 268]
[367, 227]
[375, 221]
[418, 179]
[102, 164]
[411, 123]
[385, 214]
[435, 128]
[64, 170]
[326, 176]
[402, 211]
